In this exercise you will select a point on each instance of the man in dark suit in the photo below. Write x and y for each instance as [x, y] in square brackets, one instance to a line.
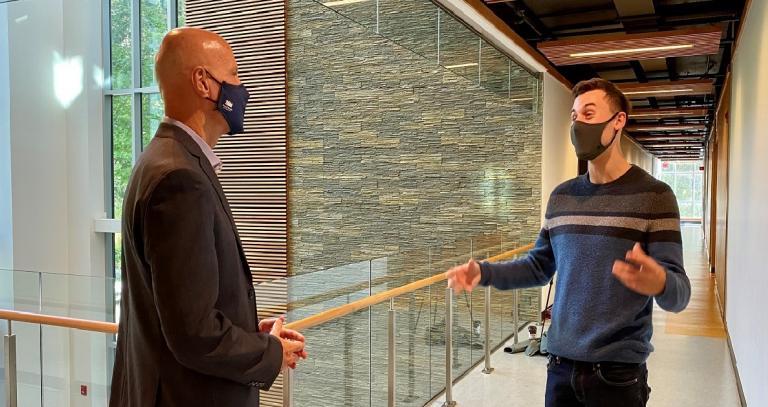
[189, 332]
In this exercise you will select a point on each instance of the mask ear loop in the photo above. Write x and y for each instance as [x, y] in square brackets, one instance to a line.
[216, 102]
[616, 133]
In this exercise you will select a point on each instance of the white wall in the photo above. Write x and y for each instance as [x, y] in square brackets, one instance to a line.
[747, 209]
[559, 162]
[55, 155]
[637, 156]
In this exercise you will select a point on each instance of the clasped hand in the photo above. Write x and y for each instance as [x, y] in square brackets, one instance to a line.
[292, 341]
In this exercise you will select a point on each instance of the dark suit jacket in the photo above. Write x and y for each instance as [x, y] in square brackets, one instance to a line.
[188, 326]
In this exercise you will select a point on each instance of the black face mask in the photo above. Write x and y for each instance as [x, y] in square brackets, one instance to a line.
[587, 138]
[231, 104]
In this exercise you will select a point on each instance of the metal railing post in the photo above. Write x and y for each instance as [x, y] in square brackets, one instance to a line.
[9, 347]
[288, 388]
[488, 369]
[449, 348]
[515, 316]
[391, 379]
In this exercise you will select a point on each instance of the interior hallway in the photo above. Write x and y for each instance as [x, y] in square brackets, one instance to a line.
[691, 365]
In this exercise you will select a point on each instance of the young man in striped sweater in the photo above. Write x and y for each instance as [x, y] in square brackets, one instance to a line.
[613, 236]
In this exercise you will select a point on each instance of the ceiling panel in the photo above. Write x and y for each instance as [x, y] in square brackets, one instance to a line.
[666, 127]
[629, 47]
[617, 74]
[634, 7]
[548, 7]
[654, 65]
[662, 113]
[667, 89]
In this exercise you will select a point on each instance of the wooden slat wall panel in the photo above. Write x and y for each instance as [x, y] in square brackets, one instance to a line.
[254, 176]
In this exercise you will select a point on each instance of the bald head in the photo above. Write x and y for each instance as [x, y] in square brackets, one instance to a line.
[190, 66]
[184, 49]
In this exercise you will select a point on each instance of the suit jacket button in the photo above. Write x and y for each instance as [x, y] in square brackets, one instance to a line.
[252, 384]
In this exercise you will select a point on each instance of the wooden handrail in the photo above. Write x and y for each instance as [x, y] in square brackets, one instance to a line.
[82, 324]
[309, 322]
[346, 309]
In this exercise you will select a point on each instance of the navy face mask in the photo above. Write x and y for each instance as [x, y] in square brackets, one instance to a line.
[231, 104]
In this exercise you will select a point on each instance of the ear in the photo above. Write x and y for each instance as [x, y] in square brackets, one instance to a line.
[201, 83]
[621, 121]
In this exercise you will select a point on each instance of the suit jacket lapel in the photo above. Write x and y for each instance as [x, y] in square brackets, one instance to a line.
[167, 130]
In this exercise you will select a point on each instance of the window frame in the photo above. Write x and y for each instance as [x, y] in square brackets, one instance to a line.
[136, 92]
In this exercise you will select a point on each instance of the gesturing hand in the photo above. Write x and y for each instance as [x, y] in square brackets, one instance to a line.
[292, 341]
[640, 272]
[464, 277]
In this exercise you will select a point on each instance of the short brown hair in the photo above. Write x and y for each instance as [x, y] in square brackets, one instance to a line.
[615, 97]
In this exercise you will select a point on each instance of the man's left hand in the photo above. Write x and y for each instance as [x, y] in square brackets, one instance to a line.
[265, 325]
[640, 272]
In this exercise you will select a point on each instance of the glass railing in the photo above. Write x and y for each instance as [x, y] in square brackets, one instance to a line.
[55, 365]
[351, 363]
[432, 33]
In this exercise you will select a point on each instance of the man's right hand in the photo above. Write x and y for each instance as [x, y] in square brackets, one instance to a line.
[464, 277]
[293, 346]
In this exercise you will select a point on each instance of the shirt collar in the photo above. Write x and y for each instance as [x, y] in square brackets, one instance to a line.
[207, 150]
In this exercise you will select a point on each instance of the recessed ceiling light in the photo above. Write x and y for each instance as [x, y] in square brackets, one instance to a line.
[342, 2]
[629, 50]
[643, 92]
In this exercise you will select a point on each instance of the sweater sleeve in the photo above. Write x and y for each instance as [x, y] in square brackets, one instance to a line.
[665, 245]
[535, 269]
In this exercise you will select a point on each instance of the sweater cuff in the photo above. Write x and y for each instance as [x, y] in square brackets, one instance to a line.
[668, 299]
[485, 274]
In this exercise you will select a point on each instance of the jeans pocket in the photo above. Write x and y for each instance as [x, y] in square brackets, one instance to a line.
[619, 375]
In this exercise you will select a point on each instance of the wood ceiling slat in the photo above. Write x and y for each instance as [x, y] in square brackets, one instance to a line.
[676, 112]
[698, 41]
[668, 127]
[667, 88]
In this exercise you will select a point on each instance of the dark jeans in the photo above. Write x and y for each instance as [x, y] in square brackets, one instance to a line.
[609, 384]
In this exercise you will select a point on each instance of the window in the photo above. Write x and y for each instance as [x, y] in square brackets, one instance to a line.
[686, 180]
[133, 107]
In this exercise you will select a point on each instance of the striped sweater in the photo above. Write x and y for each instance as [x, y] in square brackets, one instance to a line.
[595, 318]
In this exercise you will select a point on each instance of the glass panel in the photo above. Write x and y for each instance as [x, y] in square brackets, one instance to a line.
[687, 167]
[154, 25]
[684, 187]
[361, 11]
[338, 370]
[319, 291]
[495, 69]
[120, 14]
[20, 291]
[668, 179]
[411, 24]
[459, 48]
[698, 189]
[413, 345]
[68, 350]
[523, 87]
[122, 150]
[117, 240]
[686, 210]
[182, 13]
[465, 336]
[437, 338]
[151, 116]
